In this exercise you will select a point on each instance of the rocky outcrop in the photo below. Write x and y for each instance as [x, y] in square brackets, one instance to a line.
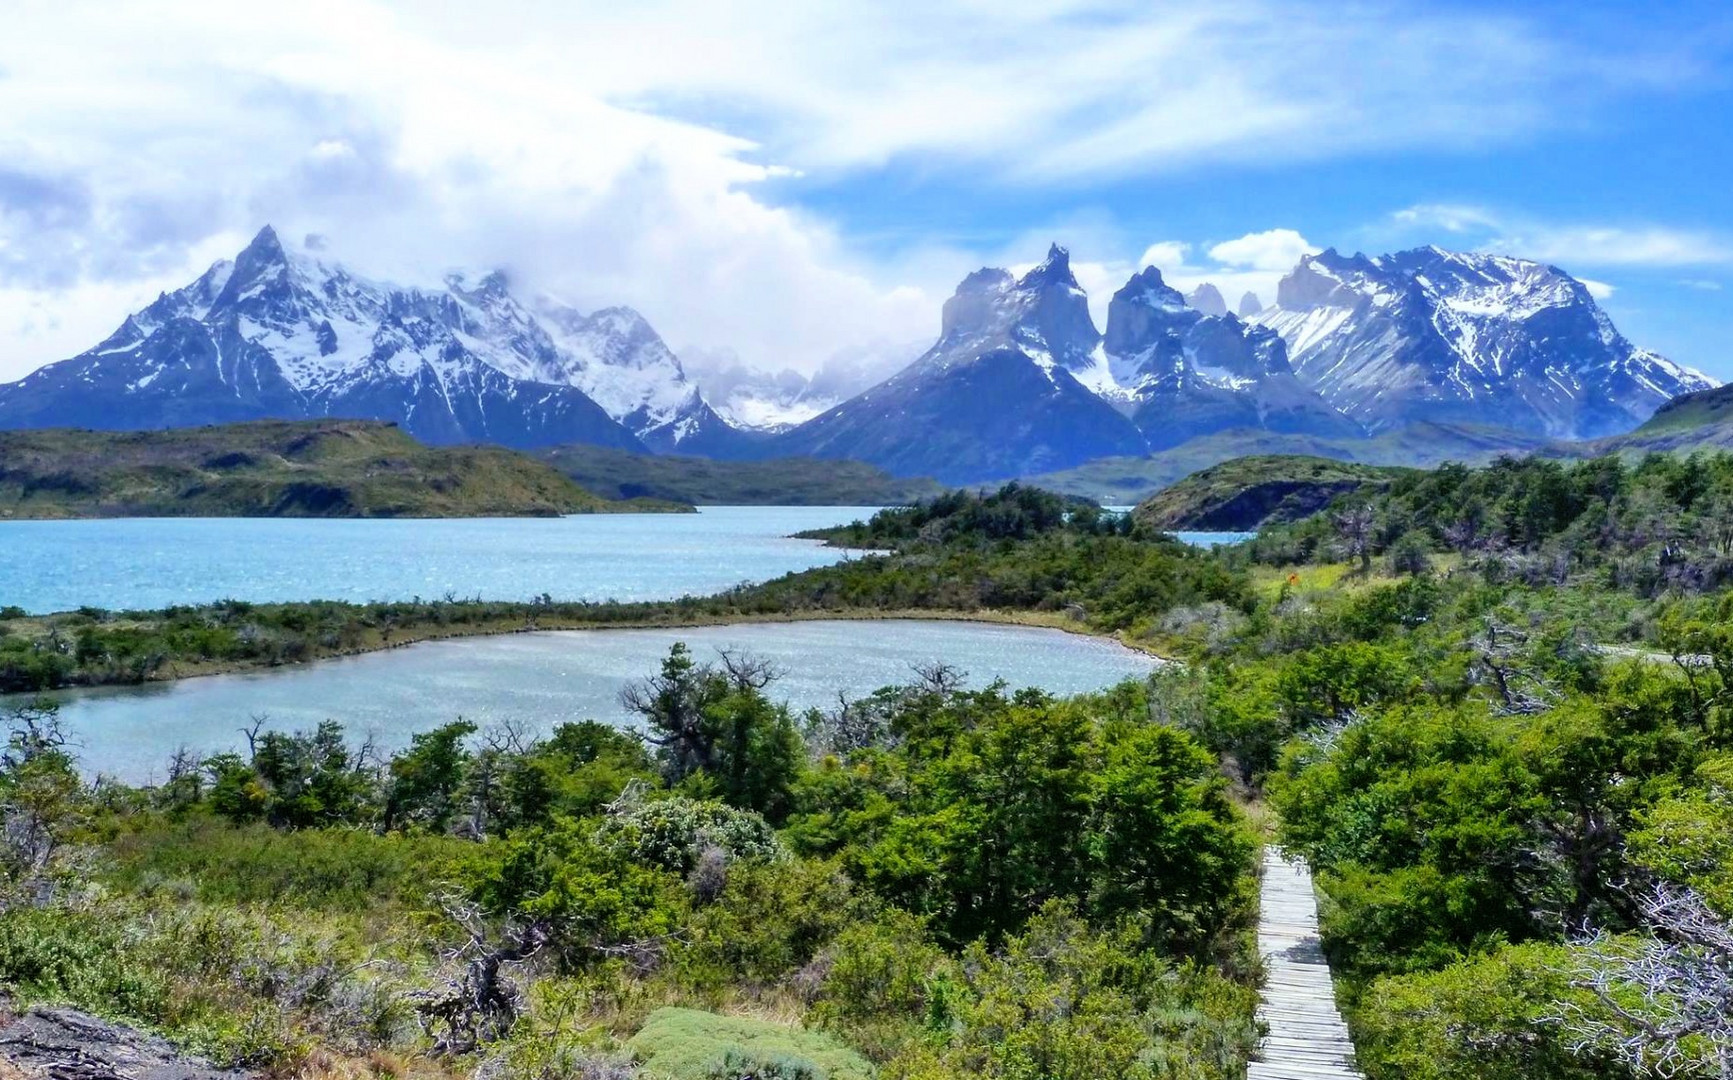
[44, 1043]
[1013, 385]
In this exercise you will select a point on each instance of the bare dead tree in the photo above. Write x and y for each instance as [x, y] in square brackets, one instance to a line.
[368, 756]
[255, 724]
[480, 1003]
[41, 797]
[1497, 649]
[509, 736]
[1461, 536]
[1665, 1000]
[853, 724]
[1355, 525]
[33, 728]
[748, 672]
[939, 678]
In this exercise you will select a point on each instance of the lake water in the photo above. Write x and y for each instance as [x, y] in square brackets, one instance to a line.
[543, 679]
[1213, 539]
[145, 563]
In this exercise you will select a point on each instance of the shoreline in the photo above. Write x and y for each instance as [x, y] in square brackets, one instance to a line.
[173, 672]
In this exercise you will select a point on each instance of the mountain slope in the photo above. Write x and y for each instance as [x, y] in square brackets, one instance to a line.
[1006, 388]
[276, 334]
[1189, 374]
[325, 468]
[1697, 421]
[1435, 335]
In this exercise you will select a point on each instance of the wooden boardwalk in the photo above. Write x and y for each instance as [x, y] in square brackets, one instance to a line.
[1307, 1039]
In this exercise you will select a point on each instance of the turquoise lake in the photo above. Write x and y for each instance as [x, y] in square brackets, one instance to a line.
[145, 563]
[539, 680]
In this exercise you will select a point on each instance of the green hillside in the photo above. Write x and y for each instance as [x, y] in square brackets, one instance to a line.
[1250, 492]
[335, 468]
[1123, 481]
[618, 474]
[1700, 421]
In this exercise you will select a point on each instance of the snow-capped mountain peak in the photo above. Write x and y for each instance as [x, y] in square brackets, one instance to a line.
[1430, 334]
[1044, 315]
[283, 333]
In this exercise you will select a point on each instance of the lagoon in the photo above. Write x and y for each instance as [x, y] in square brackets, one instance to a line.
[541, 679]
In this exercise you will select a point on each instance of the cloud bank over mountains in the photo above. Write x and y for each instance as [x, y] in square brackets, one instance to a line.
[662, 155]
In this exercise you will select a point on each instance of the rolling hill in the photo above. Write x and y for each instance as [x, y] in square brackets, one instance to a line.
[323, 468]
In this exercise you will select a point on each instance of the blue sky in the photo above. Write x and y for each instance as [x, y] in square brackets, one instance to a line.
[787, 181]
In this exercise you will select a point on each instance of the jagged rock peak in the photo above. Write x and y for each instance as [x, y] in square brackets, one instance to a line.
[1147, 287]
[1056, 268]
[262, 254]
[1207, 299]
[1250, 305]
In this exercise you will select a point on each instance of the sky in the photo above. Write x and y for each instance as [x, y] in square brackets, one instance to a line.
[788, 181]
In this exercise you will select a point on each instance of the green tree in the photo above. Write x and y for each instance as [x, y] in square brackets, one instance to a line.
[423, 781]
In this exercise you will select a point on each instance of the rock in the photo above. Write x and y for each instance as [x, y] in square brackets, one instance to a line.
[1207, 299]
[1250, 305]
[45, 1043]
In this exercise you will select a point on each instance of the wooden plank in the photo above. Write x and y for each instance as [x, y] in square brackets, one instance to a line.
[1307, 1039]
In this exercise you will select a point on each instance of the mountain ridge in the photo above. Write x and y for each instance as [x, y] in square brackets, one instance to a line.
[280, 335]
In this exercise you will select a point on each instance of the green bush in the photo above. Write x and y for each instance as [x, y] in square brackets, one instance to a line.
[685, 1044]
[337, 869]
[1482, 1019]
[671, 833]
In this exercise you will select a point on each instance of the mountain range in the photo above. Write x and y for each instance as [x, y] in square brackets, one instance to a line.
[282, 335]
[1355, 349]
[1020, 381]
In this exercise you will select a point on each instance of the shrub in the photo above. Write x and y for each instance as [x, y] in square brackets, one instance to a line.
[1482, 1019]
[334, 869]
[686, 1044]
[670, 834]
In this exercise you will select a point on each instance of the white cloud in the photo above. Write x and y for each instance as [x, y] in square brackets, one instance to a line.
[1254, 263]
[1600, 290]
[1450, 218]
[646, 153]
[1274, 249]
[1573, 244]
[1165, 253]
[1701, 284]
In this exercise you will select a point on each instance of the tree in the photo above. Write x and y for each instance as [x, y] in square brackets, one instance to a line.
[424, 780]
[41, 796]
[1664, 996]
[672, 702]
[717, 732]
